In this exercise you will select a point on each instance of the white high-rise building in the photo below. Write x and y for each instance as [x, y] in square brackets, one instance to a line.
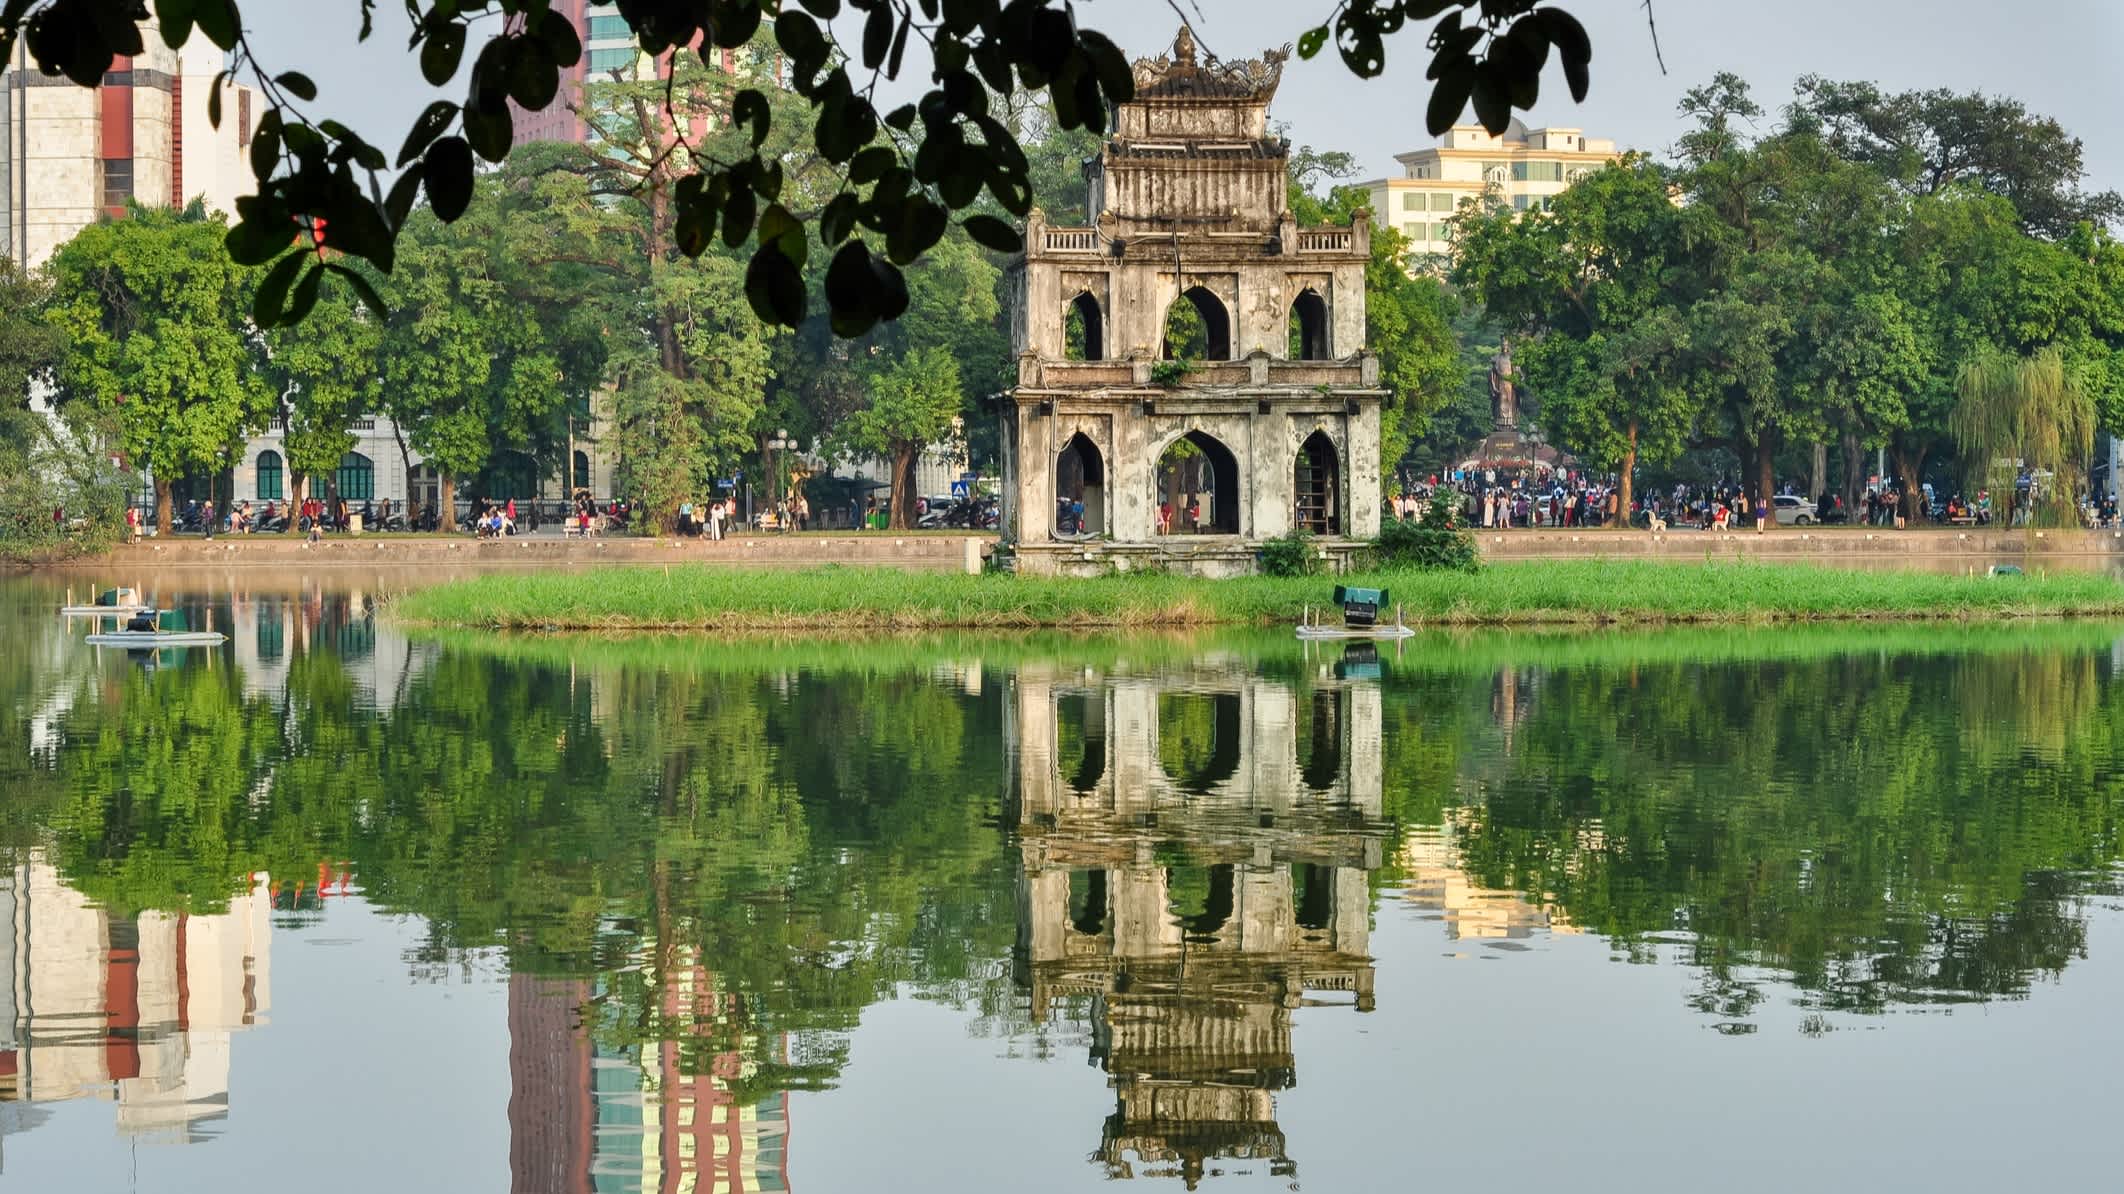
[1524, 167]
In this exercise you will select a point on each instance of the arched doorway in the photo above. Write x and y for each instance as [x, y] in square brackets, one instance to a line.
[1197, 327]
[1201, 898]
[1083, 329]
[1198, 487]
[1317, 486]
[580, 472]
[1309, 327]
[1080, 488]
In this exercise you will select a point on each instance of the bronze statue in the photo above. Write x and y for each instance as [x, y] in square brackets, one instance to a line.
[1504, 396]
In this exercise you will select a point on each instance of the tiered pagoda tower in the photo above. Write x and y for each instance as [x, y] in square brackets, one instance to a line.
[1136, 438]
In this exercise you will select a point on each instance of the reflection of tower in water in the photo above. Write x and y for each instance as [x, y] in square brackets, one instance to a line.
[1195, 853]
[137, 1009]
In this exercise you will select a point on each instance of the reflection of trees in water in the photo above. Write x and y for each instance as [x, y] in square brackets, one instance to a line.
[1874, 830]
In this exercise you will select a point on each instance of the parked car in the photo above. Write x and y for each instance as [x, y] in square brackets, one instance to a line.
[1794, 511]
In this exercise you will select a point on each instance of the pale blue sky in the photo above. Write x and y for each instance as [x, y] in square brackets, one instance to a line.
[2057, 56]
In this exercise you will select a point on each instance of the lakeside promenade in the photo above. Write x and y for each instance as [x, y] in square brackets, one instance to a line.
[1929, 549]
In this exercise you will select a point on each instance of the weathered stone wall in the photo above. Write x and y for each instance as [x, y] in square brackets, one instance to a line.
[1189, 198]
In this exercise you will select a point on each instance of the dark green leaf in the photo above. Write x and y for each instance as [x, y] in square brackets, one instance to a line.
[1449, 96]
[399, 203]
[489, 132]
[1311, 40]
[217, 19]
[271, 300]
[877, 36]
[448, 169]
[994, 233]
[175, 17]
[1493, 103]
[363, 290]
[902, 117]
[297, 84]
[214, 99]
[305, 296]
[774, 286]
[265, 147]
[426, 127]
[750, 108]
[440, 52]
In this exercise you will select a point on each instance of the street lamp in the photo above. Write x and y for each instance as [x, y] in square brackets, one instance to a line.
[778, 443]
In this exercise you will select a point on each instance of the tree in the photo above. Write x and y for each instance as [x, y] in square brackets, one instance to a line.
[324, 372]
[2025, 412]
[1488, 53]
[914, 403]
[1929, 141]
[152, 308]
[29, 343]
[1598, 277]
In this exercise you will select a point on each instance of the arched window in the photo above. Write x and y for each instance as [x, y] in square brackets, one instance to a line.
[1317, 484]
[581, 479]
[1080, 740]
[1199, 738]
[1211, 889]
[269, 476]
[1309, 327]
[1087, 901]
[1198, 487]
[1080, 488]
[1197, 327]
[356, 480]
[1083, 329]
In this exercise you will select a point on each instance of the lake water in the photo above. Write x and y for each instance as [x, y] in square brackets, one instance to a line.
[338, 908]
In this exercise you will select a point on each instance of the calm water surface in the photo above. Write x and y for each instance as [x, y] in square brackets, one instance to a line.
[335, 908]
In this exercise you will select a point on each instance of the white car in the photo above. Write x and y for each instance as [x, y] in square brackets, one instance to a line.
[1794, 511]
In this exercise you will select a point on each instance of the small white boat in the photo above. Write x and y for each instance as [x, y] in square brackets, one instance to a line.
[146, 640]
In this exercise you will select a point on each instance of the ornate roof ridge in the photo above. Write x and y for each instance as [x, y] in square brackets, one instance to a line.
[1181, 74]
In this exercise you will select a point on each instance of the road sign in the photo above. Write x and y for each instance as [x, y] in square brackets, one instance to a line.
[961, 489]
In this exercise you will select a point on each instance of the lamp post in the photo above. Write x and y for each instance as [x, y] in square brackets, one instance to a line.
[778, 443]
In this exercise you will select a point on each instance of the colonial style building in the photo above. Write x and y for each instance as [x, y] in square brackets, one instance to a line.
[1192, 371]
[1524, 168]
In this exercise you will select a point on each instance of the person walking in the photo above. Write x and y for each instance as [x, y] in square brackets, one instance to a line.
[206, 517]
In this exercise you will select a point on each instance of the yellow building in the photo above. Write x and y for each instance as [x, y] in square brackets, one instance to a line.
[1525, 167]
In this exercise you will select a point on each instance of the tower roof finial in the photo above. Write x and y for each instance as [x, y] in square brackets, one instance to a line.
[1184, 47]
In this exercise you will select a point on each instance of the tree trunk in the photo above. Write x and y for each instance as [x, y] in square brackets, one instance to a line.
[1629, 467]
[1819, 480]
[164, 524]
[1911, 466]
[1854, 465]
[1766, 475]
[446, 502]
[903, 495]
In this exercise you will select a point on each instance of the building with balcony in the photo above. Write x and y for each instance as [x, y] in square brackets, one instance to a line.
[1192, 370]
[1524, 168]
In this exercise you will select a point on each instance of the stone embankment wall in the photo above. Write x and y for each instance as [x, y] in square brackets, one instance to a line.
[924, 553]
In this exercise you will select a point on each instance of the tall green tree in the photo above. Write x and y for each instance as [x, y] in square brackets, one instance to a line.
[29, 343]
[915, 402]
[154, 312]
[325, 371]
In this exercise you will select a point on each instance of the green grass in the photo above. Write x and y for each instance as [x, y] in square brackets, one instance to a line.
[1559, 593]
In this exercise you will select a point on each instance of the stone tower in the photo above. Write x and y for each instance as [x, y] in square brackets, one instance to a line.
[1192, 370]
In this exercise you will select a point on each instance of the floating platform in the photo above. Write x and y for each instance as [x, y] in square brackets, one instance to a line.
[1328, 633]
[148, 640]
[102, 611]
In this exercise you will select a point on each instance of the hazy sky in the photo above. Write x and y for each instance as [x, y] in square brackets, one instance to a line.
[2058, 56]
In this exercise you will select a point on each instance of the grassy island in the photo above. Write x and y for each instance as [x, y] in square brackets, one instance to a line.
[1588, 592]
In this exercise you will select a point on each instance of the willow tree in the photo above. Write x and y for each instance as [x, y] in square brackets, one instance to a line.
[2013, 412]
